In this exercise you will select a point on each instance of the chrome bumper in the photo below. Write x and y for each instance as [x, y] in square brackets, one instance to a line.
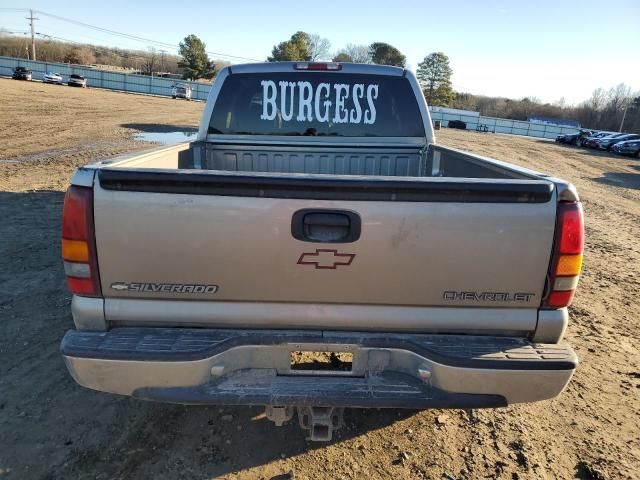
[252, 367]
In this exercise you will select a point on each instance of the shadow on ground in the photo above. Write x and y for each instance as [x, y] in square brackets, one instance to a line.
[157, 440]
[620, 179]
[53, 428]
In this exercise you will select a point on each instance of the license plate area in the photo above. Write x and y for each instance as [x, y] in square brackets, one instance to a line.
[313, 362]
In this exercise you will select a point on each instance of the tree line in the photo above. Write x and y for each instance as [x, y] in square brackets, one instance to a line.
[604, 110]
[192, 63]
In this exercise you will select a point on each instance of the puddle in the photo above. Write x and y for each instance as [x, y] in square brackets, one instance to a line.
[166, 138]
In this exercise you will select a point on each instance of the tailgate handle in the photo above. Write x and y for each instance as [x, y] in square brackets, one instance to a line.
[325, 226]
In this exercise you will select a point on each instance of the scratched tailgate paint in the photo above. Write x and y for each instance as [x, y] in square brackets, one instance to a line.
[414, 253]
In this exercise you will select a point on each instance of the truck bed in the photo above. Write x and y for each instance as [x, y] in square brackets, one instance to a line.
[402, 160]
[238, 220]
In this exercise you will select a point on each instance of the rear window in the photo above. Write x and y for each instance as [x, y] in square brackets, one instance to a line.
[316, 104]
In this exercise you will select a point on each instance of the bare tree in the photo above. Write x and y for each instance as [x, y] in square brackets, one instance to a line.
[319, 47]
[598, 99]
[342, 57]
[619, 97]
[358, 53]
[561, 102]
[80, 56]
[151, 61]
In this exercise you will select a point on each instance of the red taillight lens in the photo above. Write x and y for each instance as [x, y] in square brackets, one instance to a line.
[560, 299]
[566, 261]
[77, 204]
[78, 242]
[572, 228]
[81, 286]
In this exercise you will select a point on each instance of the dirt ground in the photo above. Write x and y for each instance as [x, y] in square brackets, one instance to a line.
[51, 428]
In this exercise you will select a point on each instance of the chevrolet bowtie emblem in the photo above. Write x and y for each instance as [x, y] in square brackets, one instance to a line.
[324, 258]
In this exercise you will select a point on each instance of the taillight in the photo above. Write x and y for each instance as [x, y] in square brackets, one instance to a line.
[316, 66]
[566, 261]
[78, 243]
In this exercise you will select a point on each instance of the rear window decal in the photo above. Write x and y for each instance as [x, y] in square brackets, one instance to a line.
[317, 104]
[309, 104]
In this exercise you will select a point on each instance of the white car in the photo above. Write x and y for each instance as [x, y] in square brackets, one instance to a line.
[52, 78]
[181, 91]
[76, 80]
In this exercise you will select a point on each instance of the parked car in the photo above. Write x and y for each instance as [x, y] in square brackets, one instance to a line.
[593, 143]
[22, 73]
[457, 124]
[606, 143]
[54, 78]
[594, 136]
[76, 80]
[437, 290]
[181, 91]
[629, 147]
[573, 138]
[562, 138]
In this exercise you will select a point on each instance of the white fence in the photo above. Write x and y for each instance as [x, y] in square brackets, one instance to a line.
[104, 79]
[503, 125]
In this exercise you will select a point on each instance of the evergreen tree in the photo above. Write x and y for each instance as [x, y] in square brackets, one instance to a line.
[195, 61]
[434, 76]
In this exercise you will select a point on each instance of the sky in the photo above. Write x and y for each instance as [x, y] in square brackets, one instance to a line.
[551, 50]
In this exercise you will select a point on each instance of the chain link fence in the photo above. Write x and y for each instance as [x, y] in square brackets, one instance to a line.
[97, 78]
[503, 125]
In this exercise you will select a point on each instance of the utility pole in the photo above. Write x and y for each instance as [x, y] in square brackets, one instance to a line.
[162, 52]
[31, 19]
[624, 115]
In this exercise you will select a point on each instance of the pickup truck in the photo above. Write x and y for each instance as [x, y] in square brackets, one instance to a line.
[313, 250]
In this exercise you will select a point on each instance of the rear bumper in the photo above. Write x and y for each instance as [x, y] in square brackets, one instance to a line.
[252, 367]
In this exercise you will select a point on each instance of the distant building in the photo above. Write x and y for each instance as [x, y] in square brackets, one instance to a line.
[558, 122]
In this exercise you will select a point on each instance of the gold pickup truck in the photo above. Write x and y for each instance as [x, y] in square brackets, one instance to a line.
[315, 249]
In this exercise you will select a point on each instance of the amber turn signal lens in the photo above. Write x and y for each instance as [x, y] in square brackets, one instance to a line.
[569, 265]
[75, 250]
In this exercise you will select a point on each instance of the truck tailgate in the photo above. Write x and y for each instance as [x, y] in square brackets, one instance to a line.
[427, 243]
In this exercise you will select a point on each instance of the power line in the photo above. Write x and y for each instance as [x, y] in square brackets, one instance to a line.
[106, 30]
[88, 39]
[137, 38]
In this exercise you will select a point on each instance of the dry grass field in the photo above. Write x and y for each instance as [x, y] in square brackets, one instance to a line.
[51, 428]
